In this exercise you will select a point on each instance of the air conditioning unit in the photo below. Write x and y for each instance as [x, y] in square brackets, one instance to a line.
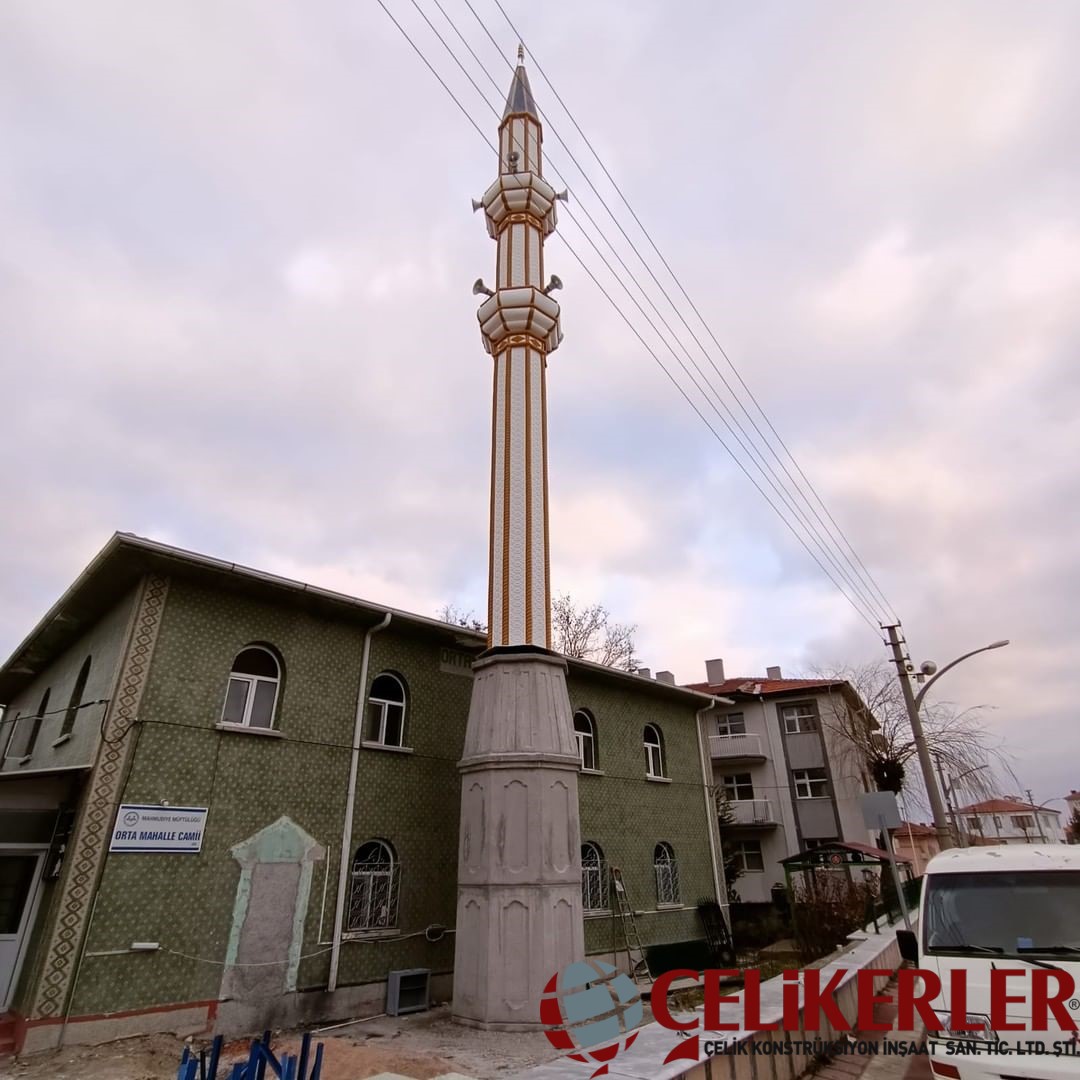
[408, 991]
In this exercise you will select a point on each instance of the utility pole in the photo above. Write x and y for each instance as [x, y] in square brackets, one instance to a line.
[1038, 820]
[947, 791]
[937, 806]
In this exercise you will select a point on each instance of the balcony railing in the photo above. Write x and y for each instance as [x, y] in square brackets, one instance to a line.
[736, 746]
[752, 811]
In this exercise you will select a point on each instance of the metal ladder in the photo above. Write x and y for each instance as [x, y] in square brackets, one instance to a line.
[624, 912]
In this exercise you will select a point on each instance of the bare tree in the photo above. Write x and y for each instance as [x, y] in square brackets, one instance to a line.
[451, 613]
[1072, 829]
[873, 729]
[588, 633]
[726, 819]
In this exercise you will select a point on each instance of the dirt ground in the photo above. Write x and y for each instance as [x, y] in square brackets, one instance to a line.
[421, 1046]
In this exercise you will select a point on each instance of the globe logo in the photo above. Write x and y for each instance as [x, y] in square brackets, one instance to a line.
[592, 1008]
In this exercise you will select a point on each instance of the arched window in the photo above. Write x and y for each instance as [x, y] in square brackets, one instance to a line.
[35, 725]
[373, 897]
[253, 688]
[26, 729]
[666, 869]
[585, 734]
[594, 878]
[15, 736]
[654, 751]
[386, 711]
[75, 700]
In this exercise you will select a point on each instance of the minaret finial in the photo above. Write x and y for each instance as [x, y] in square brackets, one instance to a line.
[521, 53]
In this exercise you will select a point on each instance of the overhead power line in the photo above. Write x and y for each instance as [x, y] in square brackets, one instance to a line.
[858, 603]
[730, 421]
[823, 542]
[701, 318]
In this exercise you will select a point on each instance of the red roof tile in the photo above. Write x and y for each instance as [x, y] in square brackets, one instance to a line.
[1001, 806]
[914, 829]
[756, 685]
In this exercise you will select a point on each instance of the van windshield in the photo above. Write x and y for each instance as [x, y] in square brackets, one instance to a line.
[1011, 914]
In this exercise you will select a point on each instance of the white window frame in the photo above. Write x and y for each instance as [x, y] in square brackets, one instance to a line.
[802, 711]
[581, 737]
[594, 880]
[376, 881]
[666, 872]
[723, 723]
[253, 685]
[384, 705]
[805, 783]
[740, 853]
[654, 752]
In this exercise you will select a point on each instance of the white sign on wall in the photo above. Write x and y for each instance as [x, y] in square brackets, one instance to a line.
[158, 828]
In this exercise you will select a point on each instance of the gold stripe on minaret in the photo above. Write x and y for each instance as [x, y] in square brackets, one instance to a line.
[520, 326]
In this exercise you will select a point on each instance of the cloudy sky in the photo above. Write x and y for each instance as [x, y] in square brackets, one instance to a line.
[235, 314]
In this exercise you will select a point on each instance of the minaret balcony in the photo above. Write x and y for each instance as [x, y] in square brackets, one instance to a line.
[522, 193]
[524, 312]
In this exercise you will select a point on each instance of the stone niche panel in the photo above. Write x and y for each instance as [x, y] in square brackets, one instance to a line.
[474, 810]
[532, 816]
[524, 935]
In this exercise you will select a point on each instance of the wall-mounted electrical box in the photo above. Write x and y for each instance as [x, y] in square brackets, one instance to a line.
[408, 991]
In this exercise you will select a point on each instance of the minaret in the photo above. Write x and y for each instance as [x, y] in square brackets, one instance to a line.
[519, 917]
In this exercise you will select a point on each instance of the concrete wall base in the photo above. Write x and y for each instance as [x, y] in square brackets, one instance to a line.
[233, 1019]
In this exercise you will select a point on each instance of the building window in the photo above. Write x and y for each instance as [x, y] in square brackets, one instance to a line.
[253, 689]
[16, 734]
[386, 711]
[811, 784]
[997, 822]
[585, 734]
[373, 898]
[666, 869]
[820, 842]
[975, 824]
[799, 718]
[594, 878]
[732, 724]
[748, 857]
[1023, 821]
[654, 751]
[76, 698]
[738, 786]
[27, 728]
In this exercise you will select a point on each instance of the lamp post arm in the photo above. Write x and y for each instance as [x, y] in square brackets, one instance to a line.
[934, 678]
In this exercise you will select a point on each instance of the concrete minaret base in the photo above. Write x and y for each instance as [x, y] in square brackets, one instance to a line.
[519, 917]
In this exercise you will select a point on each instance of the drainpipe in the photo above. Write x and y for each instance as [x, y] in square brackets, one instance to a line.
[350, 804]
[710, 811]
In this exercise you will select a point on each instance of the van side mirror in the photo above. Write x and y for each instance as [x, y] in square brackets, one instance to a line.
[909, 945]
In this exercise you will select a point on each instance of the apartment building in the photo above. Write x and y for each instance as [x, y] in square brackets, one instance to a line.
[1010, 820]
[791, 781]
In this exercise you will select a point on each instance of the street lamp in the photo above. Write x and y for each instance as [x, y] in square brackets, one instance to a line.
[913, 701]
[931, 669]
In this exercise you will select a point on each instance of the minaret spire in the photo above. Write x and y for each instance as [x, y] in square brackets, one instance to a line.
[519, 916]
[520, 98]
[520, 328]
